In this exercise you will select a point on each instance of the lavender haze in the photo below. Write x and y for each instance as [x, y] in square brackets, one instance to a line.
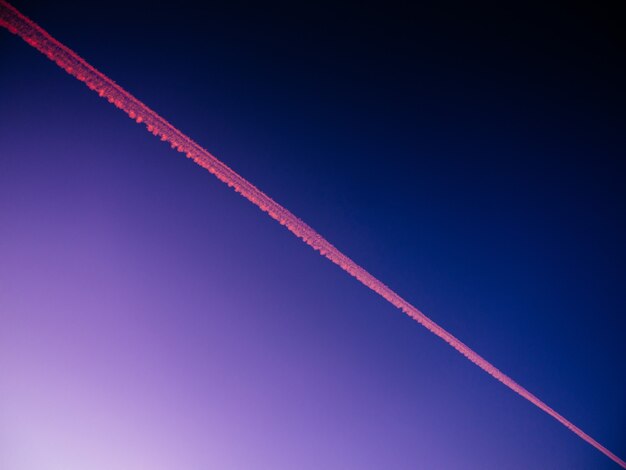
[159, 127]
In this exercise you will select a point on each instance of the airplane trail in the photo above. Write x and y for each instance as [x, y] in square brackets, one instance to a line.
[68, 60]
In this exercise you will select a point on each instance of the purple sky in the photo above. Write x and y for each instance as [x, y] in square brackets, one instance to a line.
[152, 318]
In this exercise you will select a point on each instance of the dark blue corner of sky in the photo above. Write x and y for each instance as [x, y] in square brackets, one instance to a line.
[471, 156]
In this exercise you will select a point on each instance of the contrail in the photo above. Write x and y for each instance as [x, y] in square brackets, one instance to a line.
[68, 60]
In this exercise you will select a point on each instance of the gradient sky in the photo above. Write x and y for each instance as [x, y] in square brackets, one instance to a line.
[472, 158]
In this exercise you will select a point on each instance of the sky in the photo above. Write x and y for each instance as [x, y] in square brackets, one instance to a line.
[471, 157]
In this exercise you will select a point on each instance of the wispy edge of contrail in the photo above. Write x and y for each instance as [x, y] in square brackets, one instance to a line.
[68, 60]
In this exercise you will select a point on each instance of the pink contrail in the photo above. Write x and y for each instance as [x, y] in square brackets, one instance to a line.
[65, 58]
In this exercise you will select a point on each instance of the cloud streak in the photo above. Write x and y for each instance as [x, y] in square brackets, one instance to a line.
[68, 60]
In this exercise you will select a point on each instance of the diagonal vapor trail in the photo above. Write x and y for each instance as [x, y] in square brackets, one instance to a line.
[68, 60]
